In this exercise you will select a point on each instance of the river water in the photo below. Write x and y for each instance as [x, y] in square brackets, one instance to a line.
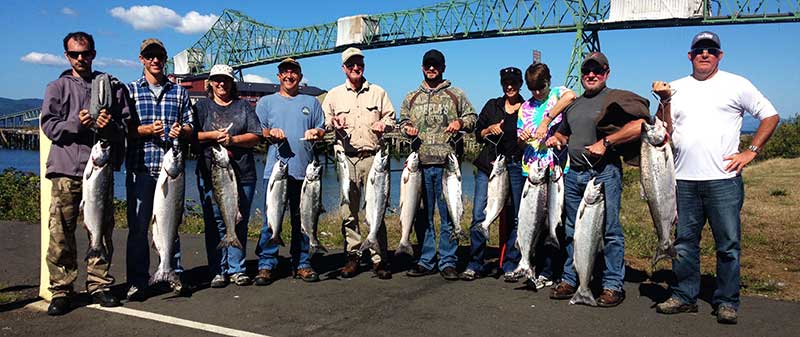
[28, 161]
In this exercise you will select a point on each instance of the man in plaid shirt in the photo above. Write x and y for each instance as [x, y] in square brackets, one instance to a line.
[158, 103]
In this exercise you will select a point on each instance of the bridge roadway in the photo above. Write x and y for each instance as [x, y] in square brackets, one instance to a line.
[362, 306]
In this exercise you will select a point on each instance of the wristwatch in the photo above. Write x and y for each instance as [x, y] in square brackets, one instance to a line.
[754, 148]
[606, 142]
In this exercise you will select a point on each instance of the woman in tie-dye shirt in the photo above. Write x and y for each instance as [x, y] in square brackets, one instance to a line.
[539, 118]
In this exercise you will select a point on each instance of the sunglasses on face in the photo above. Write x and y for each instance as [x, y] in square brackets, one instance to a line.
[86, 54]
[711, 51]
[598, 70]
[434, 65]
[151, 55]
[350, 65]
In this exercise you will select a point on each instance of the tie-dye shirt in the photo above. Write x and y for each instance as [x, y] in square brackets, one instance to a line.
[530, 116]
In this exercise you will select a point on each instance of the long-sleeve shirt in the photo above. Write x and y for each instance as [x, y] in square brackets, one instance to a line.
[359, 109]
[72, 143]
[431, 110]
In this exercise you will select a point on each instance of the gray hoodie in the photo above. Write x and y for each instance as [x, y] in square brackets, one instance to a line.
[64, 98]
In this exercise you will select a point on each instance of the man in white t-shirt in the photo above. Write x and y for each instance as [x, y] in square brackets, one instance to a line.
[704, 114]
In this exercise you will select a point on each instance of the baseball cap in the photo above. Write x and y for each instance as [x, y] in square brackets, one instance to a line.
[706, 35]
[288, 63]
[433, 56]
[511, 74]
[151, 42]
[350, 52]
[597, 57]
[222, 70]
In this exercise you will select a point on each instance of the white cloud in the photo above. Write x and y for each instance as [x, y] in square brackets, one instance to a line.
[69, 11]
[44, 59]
[152, 18]
[59, 60]
[256, 79]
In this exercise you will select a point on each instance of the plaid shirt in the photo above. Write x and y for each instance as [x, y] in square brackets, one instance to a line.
[145, 153]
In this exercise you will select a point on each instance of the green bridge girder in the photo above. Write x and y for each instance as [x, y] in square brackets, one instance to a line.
[243, 42]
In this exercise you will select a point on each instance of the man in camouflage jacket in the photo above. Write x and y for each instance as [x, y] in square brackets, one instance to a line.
[436, 115]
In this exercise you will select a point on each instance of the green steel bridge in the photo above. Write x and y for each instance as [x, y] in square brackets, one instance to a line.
[242, 42]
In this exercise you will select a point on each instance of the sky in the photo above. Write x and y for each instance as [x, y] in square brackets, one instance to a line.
[766, 54]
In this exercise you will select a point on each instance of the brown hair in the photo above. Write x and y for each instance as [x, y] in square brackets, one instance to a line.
[210, 91]
[537, 76]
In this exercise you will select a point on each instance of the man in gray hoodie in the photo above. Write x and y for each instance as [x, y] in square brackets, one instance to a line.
[66, 121]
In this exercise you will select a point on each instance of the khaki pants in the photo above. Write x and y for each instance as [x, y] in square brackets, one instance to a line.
[359, 169]
[62, 255]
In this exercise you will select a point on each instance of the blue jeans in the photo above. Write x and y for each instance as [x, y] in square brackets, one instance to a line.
[613, 241]
[426, 232]
[299, 248]
[719, 202]
[140, 190]
[230, 260]
[478, 241]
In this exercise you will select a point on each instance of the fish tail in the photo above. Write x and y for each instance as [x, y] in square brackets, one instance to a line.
[404, 248]
[165, 276]
[552, 241]
[96, 252]
[663, 253]
[229, 241]
[583, 296]
[277, 241]
[370, 243]
[485, 231]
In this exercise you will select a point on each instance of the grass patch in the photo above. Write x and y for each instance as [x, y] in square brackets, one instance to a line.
[778, 193]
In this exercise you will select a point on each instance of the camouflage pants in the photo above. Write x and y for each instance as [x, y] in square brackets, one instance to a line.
[359, 169]
[62, 257]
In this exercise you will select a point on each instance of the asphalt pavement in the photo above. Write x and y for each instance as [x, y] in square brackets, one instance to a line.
[361, 306]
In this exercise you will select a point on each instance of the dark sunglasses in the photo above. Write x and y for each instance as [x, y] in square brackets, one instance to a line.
[435, 65]
[598, 70]
[74, 54]
[711, 51]
[151, 55]
[350, 65]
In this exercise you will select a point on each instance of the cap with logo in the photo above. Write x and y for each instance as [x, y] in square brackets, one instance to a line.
[433, 56]
[706, 36]
[150, 43]
[288, 63]
[221, 70]
[596, 56]
[350, 52]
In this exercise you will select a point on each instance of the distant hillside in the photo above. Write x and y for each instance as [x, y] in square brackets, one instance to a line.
[8, 105]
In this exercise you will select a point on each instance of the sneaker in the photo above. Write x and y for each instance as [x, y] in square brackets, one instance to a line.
[511, 277]
[137, 294]
[264, 277]
[470, 275]
[418, 271]
[105, 299]
[726, 314]
[675, 306]
[241, 279]
[563, 291]
[58, 306]
[541, 282]
[219, 281]
[449, 273]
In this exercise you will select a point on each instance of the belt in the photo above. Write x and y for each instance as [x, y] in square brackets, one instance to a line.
[361, 154]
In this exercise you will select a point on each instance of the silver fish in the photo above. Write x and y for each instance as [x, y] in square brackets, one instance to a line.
[311, 205]
[555, 204]
[532, 212]
[226, 194]
[98, 182]
[451, 188]
[410, 194]
[658, 186]
[343, 171]
[276, 200]
[376, 197]
[168, 214]
[497, 193]
[588, 239]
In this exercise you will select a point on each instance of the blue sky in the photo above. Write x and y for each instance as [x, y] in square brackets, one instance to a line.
[767, 54]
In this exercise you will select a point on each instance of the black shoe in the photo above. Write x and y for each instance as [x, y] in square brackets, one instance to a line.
[105, 299]
[58, 306]
[449, 273]
[136, 294]
[420, 271]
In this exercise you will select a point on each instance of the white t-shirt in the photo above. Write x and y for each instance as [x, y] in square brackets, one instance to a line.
[707, 120]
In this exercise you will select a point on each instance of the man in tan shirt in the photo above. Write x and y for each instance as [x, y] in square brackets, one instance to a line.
[358, 112]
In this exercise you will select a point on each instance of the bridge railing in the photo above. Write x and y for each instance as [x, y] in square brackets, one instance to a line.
[23, 119]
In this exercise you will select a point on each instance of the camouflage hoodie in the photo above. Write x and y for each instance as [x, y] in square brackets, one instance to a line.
[431, 110]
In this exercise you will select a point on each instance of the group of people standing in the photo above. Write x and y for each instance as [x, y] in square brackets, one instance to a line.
[585, 136]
